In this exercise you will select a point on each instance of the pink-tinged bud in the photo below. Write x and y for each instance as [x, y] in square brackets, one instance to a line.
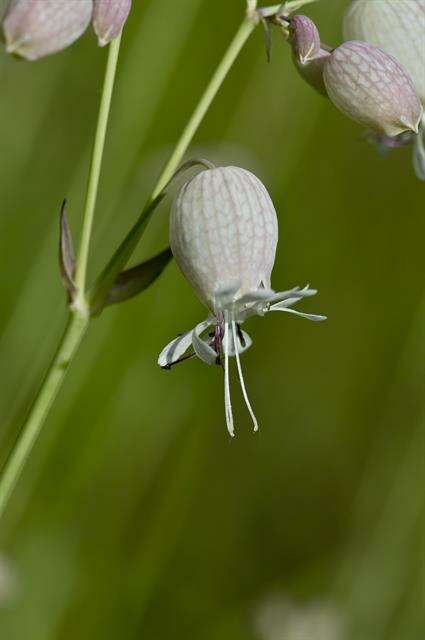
[308, 55]
[397, 27]
[305, 38]
[109, 17]
[372, 88]
[37, 28]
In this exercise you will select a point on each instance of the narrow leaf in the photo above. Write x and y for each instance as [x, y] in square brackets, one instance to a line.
[135, 280]
[267, 39]
[121, 256]
[66, 253]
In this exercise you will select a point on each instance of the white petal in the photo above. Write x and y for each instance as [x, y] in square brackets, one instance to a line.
[241, 347]
[256, 296]
[293, 295]
[242, 381]
[202, 349]
[227, 398]
[308, 316]
[178, 347]
[175, 349]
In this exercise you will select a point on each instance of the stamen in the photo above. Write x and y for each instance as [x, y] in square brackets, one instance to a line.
[227, 400]
[169, 365]
[238, 362]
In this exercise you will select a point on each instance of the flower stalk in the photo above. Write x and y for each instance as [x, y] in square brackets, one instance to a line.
[94, 174]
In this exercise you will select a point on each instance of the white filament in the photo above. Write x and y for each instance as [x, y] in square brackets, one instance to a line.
[241, 380]
[227, 399]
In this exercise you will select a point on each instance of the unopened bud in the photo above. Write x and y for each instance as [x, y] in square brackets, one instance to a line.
[309, 57]
[36, 28]
[397, 27]
[109, 17]
[305, 38]
[372, 88]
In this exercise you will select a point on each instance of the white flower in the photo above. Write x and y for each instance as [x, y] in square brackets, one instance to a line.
[223, 234]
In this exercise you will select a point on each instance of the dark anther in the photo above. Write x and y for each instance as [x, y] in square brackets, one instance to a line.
[240, 335]
[168, 366]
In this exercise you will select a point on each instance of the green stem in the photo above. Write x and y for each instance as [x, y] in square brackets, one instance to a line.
[95, 166]
[242, 35]
[51, 384]
[79, 318]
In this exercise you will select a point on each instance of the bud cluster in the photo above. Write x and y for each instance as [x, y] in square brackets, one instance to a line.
[363, 81]
[33, 29]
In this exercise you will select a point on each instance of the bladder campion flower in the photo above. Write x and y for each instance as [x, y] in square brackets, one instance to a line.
[398, 27]
[223, 234]
[109, 17]
[371, 87]
[36, 28]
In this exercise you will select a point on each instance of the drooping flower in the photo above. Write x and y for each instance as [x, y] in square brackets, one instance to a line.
[398, 27]
[36, 28]
[223, 234]
[109, 17]
[367, 84]
[371, 87]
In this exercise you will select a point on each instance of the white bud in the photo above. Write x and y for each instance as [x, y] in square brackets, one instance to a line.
[223, 233]
[371, 87]
[397, 26]
[36, 28]
[109, 17]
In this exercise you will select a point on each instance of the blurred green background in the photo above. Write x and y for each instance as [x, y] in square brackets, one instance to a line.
[137, 517]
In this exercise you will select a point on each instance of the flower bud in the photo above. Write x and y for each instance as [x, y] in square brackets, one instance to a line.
[109, 17]
[36, 28]
[309, 57]
[372, 88]
[397, 26]
[223, 233]
[305, 38]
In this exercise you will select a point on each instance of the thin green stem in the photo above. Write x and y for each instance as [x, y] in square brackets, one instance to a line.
[242, 35]
[51, 384]
[95, 166]
[79, 317]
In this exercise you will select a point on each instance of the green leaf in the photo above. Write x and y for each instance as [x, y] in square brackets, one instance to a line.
[135, 280]
[121, 256]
